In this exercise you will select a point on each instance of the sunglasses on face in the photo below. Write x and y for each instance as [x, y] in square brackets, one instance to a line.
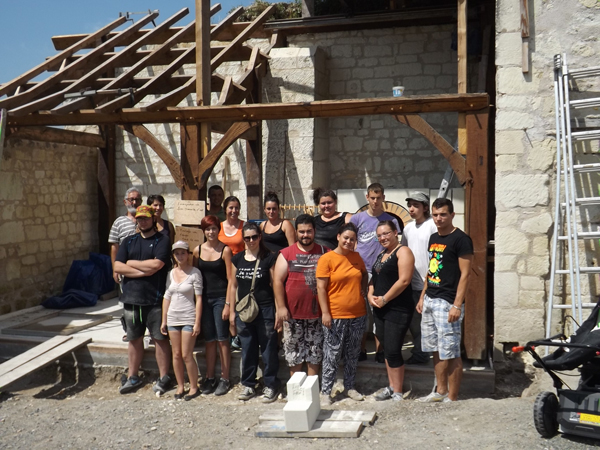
[254, 237]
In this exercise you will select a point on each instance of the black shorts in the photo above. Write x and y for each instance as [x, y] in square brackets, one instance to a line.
[138, 318]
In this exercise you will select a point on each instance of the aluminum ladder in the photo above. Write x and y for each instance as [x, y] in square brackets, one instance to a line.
[567, 234]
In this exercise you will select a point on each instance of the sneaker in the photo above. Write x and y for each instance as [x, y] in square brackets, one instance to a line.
[326, 400]
[162, 385]
[434, 397]
[447, 400]
[131, 384]
[362, 356]
[236, 344]
[208, 386]
[269, 395]
[384, 394]
[223, 387]
[123, 379]
[397, 396]
[379, 358]
[355, 395]
[247, 393]
[417, 360]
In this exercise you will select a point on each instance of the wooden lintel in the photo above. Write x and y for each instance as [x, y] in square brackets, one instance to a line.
[142, 133]
[477, 227]
[58, 136]
[268, 111]
[222, 127]
[235, 132]
[456, 161]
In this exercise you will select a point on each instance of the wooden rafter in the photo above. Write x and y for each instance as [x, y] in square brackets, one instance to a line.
[456, 161]
[57, 135]
[44, 86]
[57, 60]
[142, 133]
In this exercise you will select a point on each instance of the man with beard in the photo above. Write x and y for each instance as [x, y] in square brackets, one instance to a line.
[143, 261]
[298, 311]
[123, 226]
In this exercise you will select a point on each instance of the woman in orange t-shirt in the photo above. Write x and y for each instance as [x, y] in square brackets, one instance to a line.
[341, 287]
[231, 229]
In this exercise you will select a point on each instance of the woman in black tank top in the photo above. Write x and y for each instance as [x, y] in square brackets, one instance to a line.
[328, 223]
[213, 258]
[277, 233]
[390, 294]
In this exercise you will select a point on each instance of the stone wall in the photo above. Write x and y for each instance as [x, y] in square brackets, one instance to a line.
[48, 198]
[367, 64]
[525, 160]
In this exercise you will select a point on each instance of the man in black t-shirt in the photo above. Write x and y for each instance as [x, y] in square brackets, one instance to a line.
[143, 261]
[441, 302]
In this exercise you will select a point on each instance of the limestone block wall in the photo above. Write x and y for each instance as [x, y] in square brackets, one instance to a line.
[525, 160]
[366, 64]
[48, 199]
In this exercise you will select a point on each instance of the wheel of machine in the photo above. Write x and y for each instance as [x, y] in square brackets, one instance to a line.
[545, 414]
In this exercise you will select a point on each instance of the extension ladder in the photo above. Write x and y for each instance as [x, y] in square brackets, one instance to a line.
[567, 233]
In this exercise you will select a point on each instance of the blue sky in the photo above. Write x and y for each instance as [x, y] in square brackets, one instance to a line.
[26, 26]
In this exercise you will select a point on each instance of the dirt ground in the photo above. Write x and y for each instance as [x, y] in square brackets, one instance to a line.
[85, 410]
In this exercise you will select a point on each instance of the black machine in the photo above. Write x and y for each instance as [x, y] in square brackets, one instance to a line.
[570, 411]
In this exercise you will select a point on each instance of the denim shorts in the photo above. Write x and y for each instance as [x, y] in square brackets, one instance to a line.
[213, 326]
[186, 328]
[437, 334]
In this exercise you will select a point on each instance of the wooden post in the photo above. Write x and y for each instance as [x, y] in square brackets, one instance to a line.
[106, 187]
[525, 35]
[462, 69]
[203, 80]
[190, 158]
[476, 224]
[254, 178]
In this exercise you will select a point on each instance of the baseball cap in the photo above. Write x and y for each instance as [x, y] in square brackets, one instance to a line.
[180, 244]
[419, 197]
[144, 211]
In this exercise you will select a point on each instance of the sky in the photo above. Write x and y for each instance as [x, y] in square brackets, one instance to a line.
[26, 26]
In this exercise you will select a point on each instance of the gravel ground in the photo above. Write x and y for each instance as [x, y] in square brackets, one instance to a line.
[87, 412]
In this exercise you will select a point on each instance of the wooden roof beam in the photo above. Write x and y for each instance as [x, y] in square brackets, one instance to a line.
[97, 70]
[58, 136]
[57, 60]
[412, 104]
[44, 86]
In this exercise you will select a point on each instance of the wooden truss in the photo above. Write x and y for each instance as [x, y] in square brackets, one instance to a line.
[138, 76]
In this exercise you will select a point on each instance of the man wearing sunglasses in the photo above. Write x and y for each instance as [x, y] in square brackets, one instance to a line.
[124, 226]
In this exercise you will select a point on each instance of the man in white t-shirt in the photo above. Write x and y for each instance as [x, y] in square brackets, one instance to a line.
[416, 235]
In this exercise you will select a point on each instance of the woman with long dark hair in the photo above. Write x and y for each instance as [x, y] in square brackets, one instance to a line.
[277, 233]
[390, 294]
[157, 202]
[341, 287]
[328, 223]
[257, 263]
[213, 258]
[231, 229]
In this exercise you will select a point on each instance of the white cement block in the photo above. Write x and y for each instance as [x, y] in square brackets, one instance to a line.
[303, 406]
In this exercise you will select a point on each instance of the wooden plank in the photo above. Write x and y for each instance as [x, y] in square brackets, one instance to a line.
[42, 360]
[33, 353]
[524, 18]
[367, 418]
[142, 133]
[462, 46]
[106, 187]
[456, 161]
[462, 134]
[203, 63]
[57, 135]
[189, 161]
[321, 429]
[525, 56]
[23, 330]
[57, 60]
[477, 226]
[98, 69]
[267, 111]
[48, 83]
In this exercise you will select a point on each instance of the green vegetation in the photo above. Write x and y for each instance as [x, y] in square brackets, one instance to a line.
[291, 10]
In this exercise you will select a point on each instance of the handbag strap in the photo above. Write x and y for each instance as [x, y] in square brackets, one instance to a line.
[254, 275]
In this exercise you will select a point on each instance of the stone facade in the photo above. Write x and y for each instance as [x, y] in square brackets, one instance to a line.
[48, 197]
[525, 161]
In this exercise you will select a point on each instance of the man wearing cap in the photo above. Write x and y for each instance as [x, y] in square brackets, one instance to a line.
[416, 236]
[143, 261]
[123, 226]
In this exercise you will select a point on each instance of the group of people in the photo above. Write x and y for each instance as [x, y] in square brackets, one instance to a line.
[320, 282]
